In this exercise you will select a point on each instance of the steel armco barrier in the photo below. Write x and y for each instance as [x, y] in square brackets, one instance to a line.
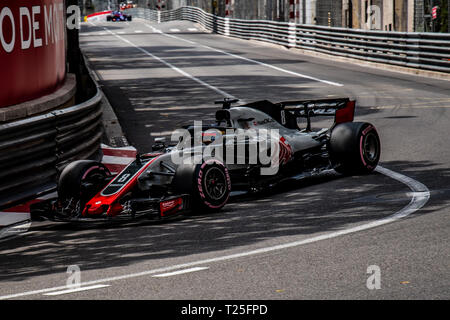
[34, 150]
[427, 51]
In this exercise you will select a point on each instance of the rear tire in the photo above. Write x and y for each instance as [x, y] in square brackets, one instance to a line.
[355, 148]
[208, 184]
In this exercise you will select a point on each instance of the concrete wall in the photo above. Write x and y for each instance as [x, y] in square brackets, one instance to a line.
[329, 13]
[307, 11]
[394, 15]
[389, 15]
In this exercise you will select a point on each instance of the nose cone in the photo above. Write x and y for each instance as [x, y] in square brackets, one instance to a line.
[95, 208]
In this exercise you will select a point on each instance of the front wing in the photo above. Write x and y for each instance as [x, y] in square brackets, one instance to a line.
[133, 209]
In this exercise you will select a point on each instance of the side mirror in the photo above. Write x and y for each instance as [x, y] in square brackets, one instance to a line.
[160, 144]
[226, 102]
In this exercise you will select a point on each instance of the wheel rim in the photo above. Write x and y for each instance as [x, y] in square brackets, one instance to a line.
[215, 183]
[371, 147]
[94, 178]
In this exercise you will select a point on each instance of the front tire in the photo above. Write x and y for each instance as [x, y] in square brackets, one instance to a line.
[82, 180]
[208, 184]
[355, 148]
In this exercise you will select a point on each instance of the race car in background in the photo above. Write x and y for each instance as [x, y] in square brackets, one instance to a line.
[118, 16]
[155, 185]
[127, 5]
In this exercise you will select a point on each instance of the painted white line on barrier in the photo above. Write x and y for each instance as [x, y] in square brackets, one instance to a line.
[117, 160]
[175, 273]
[106, 147]
[332, 83]
[420, 196]
[174, 30]
[174, 68]
[79, 289]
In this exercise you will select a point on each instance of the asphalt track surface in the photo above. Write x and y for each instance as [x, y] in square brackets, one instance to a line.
[309, 240]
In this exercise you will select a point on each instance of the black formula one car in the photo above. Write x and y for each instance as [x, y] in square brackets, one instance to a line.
[119, 16]
[248, 148]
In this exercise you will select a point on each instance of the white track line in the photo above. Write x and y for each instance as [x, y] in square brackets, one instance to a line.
[419, 197]
[175, 273]
[171, 66]
[57, 293]
[247, 59]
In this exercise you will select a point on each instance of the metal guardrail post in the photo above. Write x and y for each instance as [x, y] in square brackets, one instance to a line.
[227, 27]
[292, 39]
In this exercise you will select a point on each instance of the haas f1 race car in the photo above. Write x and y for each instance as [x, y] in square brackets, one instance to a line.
[248, 148]
[118, 16]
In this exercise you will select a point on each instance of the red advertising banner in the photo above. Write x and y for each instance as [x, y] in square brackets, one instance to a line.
[32, 49]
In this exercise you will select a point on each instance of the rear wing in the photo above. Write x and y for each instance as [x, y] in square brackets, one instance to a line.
[342, 109]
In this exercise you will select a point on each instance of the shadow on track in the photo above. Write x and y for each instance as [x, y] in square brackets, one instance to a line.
[321, 204]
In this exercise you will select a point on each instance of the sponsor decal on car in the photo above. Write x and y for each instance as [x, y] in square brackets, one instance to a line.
[170, 206]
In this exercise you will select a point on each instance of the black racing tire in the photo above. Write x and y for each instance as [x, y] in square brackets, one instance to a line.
[108, 18]
[129, 18]
[79, 172]
[208, 184]
[355, 148]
